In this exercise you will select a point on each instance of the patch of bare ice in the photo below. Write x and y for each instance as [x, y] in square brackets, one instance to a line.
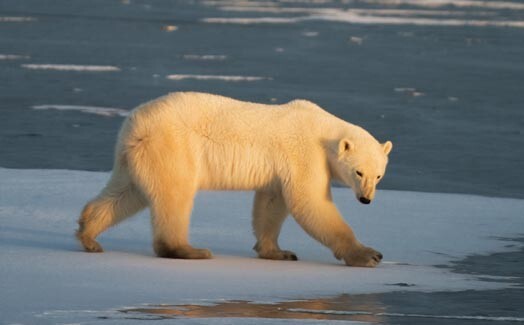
[103, 111]
[13, 57]
[5, 19]
[215, 77]
[71, 67]
[205, 57]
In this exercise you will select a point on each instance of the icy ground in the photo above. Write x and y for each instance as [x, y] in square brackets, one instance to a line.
[46, 279]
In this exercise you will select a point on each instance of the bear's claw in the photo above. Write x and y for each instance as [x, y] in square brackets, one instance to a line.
[290, 256]
[278, 255]
[364, 256]
[183, 252]
[90, 245]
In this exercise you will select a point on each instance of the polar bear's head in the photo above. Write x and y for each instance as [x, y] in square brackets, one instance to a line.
[361, 165]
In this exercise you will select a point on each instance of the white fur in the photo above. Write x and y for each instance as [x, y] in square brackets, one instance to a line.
[173, 146]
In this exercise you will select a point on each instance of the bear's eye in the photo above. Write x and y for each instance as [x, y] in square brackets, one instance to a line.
[359, 173]
[378, 177]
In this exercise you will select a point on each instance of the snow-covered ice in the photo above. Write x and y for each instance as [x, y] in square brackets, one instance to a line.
[45, 278]
[373, 16]
[13, 57]
[16, 19]
[215, 77]
[353, 17]
[104, 111]
[442, 3]
[205, 57]
[71, 67]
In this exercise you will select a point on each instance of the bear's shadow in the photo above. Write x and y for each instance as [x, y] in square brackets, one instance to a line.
[39, 239]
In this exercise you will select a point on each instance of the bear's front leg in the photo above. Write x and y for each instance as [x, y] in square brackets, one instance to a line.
[333, 232]
[320, 218]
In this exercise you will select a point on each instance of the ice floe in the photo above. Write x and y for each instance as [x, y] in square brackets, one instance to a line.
[46, 279]
[71, 67]
[379, 16]
[205, 57]
[13, 57]
[215, 77]
[104, 111]
[15, 19]
[353, 17]
[513, 5]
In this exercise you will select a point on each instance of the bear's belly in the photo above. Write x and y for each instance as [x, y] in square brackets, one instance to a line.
[238, 172]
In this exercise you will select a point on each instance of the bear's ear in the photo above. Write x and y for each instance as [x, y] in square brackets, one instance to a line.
[387, 146]
[345, 146]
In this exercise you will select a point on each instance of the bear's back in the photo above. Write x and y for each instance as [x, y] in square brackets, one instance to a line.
[214, 112]
[221, 119]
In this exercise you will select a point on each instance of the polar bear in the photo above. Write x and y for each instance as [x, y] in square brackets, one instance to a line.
[175, 145]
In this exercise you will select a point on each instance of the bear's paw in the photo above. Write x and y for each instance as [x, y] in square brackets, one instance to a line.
[278, 255]
[363, 256]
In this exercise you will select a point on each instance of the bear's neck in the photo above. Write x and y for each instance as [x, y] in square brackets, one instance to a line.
[336, 129]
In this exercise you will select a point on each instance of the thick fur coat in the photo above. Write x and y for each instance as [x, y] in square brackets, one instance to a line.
[173, 146]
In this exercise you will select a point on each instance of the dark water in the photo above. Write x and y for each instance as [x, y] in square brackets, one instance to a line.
[449, 97]
[401, 307]
[458, 130]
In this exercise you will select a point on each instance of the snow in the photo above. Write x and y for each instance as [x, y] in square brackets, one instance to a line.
[215, 77]
[493, 5]
[372, 16]
[355, 17]
[71, 67]
[455, 3]
[103, 111]
[15, 19]
[45, 278]
[456, 317]
[205, 57]
[13, 57]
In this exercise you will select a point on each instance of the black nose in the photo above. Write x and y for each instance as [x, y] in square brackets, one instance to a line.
[364, 200]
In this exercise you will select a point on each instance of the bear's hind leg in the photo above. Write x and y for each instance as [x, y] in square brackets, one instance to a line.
[166, 174]
[269, 213]
[113, 205]
[170, 218]
[171, 196]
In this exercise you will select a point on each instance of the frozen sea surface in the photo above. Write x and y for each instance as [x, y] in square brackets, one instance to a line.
[45, 278]
[441, 79]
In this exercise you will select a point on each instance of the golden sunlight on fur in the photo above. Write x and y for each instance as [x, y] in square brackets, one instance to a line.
[173, 146]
